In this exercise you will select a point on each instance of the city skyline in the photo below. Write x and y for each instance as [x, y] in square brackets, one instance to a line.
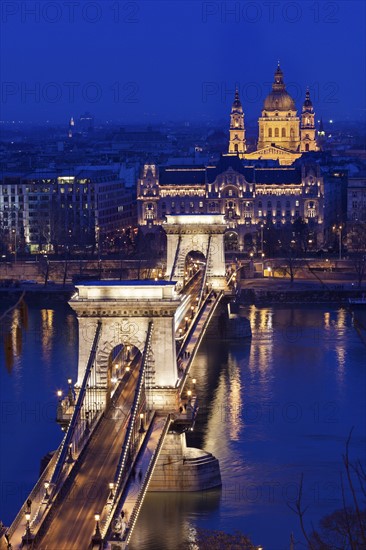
[149, 62]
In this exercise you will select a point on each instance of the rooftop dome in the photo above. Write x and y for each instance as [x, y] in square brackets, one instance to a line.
[279, 99]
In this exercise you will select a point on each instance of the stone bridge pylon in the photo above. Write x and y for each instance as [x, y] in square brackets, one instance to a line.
[125, 309]
[202, 233]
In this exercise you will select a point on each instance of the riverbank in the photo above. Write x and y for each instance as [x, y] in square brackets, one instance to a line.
[272, 291]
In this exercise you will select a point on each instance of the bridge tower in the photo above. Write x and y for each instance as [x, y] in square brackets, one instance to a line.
[196, 233]
[125, 309]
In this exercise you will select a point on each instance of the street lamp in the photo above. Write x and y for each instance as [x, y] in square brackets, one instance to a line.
[46, 486]
[192, 312]
[194, 383]
[142, 429]
[70, 395]
[111, 493]
[339, 231]
[28, 537]
[97, 537]
[261, 238]
[69, 454]
[186, 325]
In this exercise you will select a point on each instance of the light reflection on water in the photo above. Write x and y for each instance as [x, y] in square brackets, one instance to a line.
[271, 409]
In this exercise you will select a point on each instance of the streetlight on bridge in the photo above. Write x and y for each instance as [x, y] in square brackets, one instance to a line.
[97, 537]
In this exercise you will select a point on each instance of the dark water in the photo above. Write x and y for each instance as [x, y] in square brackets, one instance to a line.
[272, 409]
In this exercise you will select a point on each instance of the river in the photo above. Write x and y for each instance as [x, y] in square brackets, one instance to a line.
[272, 409]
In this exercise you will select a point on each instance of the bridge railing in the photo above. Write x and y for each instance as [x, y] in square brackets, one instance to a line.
[77, 411]
[124, 461]
[146, 482]
[202, 331]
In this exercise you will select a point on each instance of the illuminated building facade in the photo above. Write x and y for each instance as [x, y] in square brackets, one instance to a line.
[41, 210]
[247, 196]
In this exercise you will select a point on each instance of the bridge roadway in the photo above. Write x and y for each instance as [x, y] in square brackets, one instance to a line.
[73, 525]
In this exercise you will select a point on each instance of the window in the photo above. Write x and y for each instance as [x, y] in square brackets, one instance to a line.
[287, 204]
[269, 204]
[260, 204]
[277, 132]
[260, 213]
[306, 147]
[270, 132]
[283, 132]
[236, 147]
[163, 206]
[230, 193]
[297, 203]
[201, 204]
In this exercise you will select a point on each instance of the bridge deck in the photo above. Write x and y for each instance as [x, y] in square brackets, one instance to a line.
[72, 524]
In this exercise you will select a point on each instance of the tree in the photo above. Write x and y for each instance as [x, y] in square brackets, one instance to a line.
[343, 529]
[217, 540]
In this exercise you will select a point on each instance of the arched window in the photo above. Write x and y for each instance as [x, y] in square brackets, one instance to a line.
[277, 132]
[269, 204]
[306, 147]
[283, 132]
[278, 204]
[270, 132]
[236, 147]
[260, 204]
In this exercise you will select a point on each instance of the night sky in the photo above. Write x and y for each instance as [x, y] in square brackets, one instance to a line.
[153, 61]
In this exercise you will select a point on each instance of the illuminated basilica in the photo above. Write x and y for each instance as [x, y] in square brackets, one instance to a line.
[251, 195]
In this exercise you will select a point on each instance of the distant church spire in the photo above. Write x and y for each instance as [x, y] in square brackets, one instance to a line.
[237, 130]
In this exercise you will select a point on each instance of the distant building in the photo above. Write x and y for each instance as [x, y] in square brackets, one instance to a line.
[47, 210]
[356, 198]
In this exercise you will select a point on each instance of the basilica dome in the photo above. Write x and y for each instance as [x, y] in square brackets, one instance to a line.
[279, 99]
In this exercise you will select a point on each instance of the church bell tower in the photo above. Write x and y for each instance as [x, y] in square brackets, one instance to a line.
[307, 126]
[237, 132]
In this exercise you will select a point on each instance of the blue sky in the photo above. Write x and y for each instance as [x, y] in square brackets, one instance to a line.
[151, 61]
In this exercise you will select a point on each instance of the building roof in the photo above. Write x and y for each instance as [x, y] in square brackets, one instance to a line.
[182, 175]
[194, 175]
[277, 176]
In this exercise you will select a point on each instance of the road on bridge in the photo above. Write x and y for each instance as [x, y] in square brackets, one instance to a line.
[73, 524]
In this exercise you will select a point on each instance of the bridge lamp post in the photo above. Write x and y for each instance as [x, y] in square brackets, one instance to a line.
[59, 395]
[70, 395]
[46, 486]
[127, 369]
[69, 454]
[111, 491]
[128, 354]
[117, 372]
[97, 537]
[186, 325]
[189, 394]
[142, 429]
[192, 312]
[194, 383]
[28, 537]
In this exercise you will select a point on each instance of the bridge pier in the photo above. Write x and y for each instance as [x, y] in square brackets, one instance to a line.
[181, 468]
